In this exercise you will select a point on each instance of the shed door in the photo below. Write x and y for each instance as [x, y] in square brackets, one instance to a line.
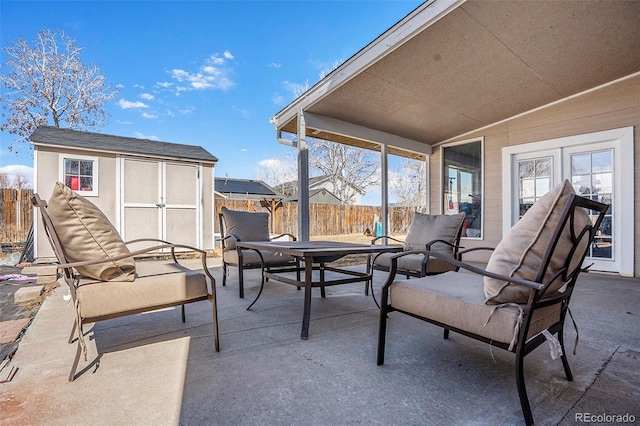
[161, 200]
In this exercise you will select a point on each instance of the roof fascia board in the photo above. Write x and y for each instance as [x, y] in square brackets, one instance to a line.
[422, 17]
[344, 128]
[127, 154]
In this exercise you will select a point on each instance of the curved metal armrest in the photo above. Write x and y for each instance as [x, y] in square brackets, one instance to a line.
[293, 237]
[394, 267]
[133, 254]
[432, 242]
[373, 241]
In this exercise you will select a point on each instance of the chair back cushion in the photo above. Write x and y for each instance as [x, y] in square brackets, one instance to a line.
[248, 226]
[85, 234]
[425, 228]
[521, 252]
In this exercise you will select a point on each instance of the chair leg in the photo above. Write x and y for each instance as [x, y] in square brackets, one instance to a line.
[73, 331]
[563, 357]
[382, 332]
[184, 318]
[446, 333]
[224, 274]
[241, 281]
[74, 367]
[522, 391]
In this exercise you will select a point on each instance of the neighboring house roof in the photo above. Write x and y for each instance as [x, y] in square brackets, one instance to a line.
[453, 67]
[314, 183]
[320, 195]
[244, 189]
[68, 138]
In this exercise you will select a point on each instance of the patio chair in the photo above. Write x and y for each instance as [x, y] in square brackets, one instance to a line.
[104, 279]
[522, 296]
[438, 233]
[236, 225]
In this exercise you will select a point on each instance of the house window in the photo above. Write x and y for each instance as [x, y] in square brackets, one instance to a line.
[462, 184]
[534, 180]
[80, 174]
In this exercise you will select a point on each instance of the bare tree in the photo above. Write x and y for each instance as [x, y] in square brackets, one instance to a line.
[409, 185]
[5, 182]
[350, 169]
[278, 171]
[20, 181]
[46, 83]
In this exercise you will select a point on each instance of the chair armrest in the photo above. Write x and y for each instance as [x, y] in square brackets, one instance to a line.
[373, 241]
[154, 248]
[293, 237]
[394, 268]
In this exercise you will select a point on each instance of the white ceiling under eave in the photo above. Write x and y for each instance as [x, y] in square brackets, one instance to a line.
[467, 66]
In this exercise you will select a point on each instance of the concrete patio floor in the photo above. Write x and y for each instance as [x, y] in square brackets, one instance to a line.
[156, 370]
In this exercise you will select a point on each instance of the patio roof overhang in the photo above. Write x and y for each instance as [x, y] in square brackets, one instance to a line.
[453, 67]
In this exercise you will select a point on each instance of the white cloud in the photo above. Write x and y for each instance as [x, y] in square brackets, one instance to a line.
[274, 65]
[123, 122]
[141, 135]
[124, 104]
[244, 150]
[213, 74]
[165, 84]
[147, 96]
[243, 112]
[147, 115]
[12, 170]
[278, 99]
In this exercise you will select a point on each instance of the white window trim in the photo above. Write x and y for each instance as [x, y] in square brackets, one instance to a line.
[623, 141]
[63, 157]
[482, 171]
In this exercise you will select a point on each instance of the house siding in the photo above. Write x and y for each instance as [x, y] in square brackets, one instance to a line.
[610, 107]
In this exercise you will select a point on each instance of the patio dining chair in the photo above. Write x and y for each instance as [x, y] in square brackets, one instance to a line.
[437, 233]
[521, 298]
[237, 225]
[104, 277]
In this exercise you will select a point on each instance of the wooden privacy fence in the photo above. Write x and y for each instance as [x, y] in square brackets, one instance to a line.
[324, 219]
[16, 214]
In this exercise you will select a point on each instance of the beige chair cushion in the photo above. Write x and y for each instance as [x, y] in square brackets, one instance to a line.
[456, 299]
[521, 251]
[413, 262]
[425, 228]
[248, 226]
[251, 257]
[86, 234]
[157, 283]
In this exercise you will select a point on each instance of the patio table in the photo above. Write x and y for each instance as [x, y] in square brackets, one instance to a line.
[315, 255]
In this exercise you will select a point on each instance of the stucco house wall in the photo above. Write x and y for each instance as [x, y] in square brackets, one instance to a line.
[614, 106]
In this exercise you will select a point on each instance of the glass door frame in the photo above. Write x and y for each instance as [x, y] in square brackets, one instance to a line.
[621, 141]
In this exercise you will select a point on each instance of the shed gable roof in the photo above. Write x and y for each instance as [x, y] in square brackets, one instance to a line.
[68, 138]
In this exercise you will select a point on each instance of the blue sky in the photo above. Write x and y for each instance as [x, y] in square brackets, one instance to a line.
[208, 73]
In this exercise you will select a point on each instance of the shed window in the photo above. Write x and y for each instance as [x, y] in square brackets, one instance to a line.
[462, 184]
[80, 174]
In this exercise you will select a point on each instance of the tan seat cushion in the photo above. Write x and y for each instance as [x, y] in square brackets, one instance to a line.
[251, 257]
[456, 299]
[413, 262]
[248, 226]
[157, 284]
[425, 228]
[86, 234]
[521, 251]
